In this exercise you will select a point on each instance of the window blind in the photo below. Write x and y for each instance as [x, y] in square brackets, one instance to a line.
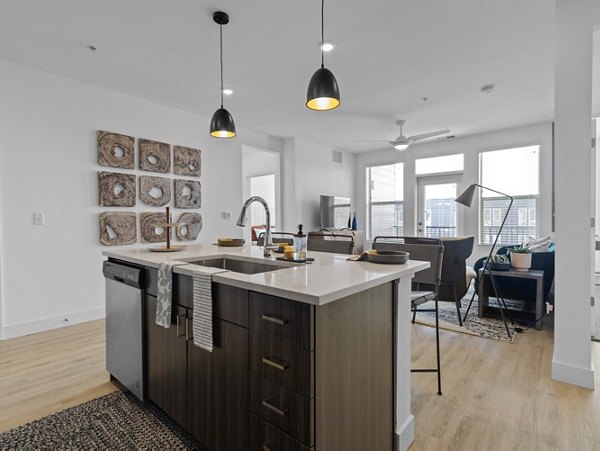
[385, 206]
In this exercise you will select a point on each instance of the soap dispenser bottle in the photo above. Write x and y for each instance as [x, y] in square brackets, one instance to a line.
[300, 243]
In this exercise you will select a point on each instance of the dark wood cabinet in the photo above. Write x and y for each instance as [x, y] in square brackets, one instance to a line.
[283, 375]
[166, 362]
[218, 389]
[204, 392]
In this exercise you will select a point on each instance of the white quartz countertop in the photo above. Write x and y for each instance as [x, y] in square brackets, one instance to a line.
[328, 278]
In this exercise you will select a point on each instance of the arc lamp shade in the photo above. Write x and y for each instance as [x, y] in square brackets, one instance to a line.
[466, 198]
[323, 92]
[222, 125]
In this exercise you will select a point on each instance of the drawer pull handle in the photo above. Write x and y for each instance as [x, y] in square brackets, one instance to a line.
[177, 331]
[274, 364]
[274, 319]
[275, 409]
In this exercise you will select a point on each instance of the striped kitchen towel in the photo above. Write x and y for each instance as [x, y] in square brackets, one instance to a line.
[164, 292]
[202, 323]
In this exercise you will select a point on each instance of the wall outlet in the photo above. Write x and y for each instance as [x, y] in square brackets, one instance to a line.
[38, 219]
[226, 215]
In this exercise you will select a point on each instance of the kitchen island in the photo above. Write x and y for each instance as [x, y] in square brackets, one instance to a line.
[306, 357]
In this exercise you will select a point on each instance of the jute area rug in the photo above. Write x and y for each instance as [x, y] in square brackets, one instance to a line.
[485, 327]
[114, 421]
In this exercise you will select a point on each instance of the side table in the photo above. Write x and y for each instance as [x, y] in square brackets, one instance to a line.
[485, 288]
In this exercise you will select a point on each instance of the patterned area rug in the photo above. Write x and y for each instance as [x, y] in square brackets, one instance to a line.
[486, 327]
[114, 421]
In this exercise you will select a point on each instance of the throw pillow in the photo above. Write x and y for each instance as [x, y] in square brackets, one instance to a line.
[538, 245]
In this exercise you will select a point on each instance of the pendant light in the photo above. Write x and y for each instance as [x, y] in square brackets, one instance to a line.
[221, 124]
[323, 93]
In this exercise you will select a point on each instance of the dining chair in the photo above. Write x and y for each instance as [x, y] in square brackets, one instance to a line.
[425, 284]
[330, 242]
[456, 274]
[278, 237]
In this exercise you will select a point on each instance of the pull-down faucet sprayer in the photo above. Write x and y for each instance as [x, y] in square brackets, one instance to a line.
[268, 244]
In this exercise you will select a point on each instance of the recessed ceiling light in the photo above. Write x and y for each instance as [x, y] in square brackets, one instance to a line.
[328, 46]
[227, 91]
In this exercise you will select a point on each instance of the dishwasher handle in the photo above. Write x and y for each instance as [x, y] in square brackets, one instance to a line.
[128, 275]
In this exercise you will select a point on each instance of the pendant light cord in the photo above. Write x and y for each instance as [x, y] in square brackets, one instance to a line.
[322, 34]
[221, 54]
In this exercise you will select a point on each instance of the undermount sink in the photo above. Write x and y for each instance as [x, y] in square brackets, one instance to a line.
[241, 266]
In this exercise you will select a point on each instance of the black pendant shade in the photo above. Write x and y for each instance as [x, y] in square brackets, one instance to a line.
[323, 92]
[221, 124]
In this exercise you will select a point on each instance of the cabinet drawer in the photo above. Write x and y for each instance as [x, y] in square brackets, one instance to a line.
[229, 303]
[282, 319]
[282, 363]
[265, 437]
[283, 408]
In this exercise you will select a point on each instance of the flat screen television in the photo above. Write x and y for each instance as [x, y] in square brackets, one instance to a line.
[335, 212]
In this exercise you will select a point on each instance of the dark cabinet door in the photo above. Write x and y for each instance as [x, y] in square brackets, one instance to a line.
[166, 357]
[218, 389]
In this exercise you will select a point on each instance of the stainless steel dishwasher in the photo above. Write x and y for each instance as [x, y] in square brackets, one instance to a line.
[124, 319]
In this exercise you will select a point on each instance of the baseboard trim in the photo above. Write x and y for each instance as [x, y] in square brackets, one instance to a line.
[42, 325]
[405, 434]
[582, 377]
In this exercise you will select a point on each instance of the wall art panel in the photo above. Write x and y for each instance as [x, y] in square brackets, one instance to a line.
[191, 224]
[154, 156]
[149, 231]
[117, 227]
[187, 194]
[116, 190]
[115, 150]
[186, 161]
[155, 191]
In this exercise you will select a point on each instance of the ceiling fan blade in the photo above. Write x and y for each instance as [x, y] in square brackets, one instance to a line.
[372, 141]
[427, 135]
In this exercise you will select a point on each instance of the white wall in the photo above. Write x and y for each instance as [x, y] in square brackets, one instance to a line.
[309, 171]
[48, 163]
[540, 134]
[571, 361]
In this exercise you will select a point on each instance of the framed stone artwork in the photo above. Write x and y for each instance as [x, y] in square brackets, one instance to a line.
[117, 227]
[116, 190]
[155, 191]
[186, 161]
[191, 224]
[187, 194]
[150, 232]
[115, 150]
[154, 156]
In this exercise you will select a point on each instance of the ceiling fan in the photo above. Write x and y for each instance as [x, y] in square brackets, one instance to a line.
[402, 142]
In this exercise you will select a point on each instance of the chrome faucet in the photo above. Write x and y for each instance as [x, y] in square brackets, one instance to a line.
[268, 244]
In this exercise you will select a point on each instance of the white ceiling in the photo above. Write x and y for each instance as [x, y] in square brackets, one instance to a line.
[389, 55]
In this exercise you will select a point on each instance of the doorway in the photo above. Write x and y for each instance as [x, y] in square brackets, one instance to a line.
[436, 209]
[261, 175]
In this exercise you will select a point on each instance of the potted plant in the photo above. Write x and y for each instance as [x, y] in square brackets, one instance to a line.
[499, 263]
[520, 258]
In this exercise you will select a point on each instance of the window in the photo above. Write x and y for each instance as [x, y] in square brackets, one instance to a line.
[435, 165]
[514, 172]
[385, 195]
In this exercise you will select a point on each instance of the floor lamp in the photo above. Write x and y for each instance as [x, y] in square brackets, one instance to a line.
[466, 199]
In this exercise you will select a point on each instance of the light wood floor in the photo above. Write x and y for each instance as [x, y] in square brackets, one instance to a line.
[497, 396]
[47, 372]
